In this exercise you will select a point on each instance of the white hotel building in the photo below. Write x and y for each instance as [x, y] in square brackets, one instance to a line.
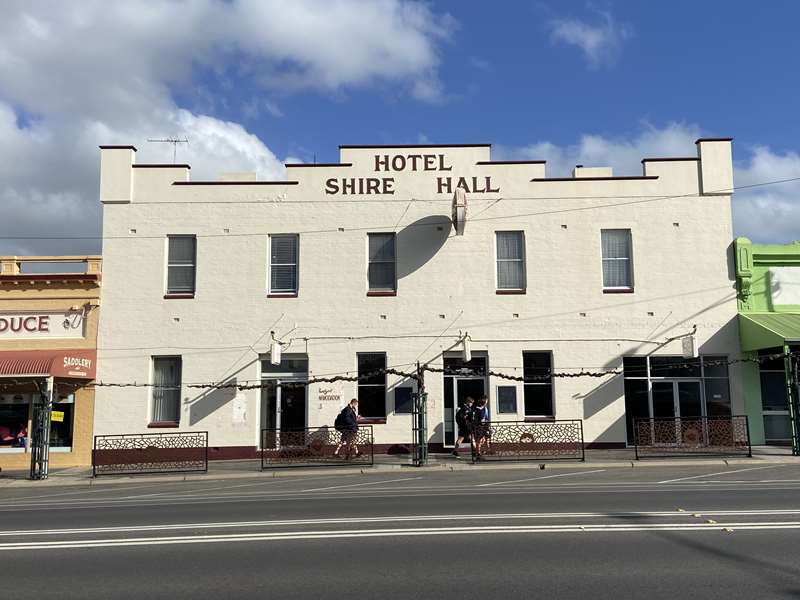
[355, 266]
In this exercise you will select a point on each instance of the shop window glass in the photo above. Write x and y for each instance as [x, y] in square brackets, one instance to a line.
[674, 367]
[634, 366]
[372, 385]
[715, 366]
[773, 390]
[14, 421]
[718, 398]
[636, 404]
[61, 422]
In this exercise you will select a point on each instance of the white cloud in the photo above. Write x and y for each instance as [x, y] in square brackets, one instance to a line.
[768, 213]
[601, 42]
[77, 75]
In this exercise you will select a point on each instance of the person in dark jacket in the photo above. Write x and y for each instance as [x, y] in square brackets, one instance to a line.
[481, 432]
[347, 425]
[463, 423]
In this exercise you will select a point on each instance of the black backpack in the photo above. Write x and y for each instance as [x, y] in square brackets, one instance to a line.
[339, 423]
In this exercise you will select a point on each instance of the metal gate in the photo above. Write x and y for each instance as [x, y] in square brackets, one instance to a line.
[419, 429]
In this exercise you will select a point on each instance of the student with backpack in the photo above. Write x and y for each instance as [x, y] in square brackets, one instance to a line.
[346, 424]
[481, 432]
[463, 423]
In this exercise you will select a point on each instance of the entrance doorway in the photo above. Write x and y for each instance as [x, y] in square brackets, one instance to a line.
[283, 398]
[461, 380]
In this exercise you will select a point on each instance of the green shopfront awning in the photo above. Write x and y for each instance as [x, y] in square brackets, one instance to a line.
[768, 330]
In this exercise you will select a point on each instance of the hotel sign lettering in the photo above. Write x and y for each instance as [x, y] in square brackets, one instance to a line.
[444, 183]
[17, 326]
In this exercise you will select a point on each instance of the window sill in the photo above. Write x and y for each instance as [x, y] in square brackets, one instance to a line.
[510, 292]
[375, 294]
[162, 425]
[539, 419]
[617, 290]
[178, 296]
[372, 421]
[294, 295]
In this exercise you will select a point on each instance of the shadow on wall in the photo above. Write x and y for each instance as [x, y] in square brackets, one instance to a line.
[418, 242]
[209, 401]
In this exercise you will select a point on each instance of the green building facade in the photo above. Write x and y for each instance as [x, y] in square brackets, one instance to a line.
[768, 286]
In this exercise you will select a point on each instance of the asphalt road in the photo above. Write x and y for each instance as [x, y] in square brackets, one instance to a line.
[705, 532]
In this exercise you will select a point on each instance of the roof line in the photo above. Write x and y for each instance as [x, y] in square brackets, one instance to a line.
[235, 182]
[622, 178]
[358, 146]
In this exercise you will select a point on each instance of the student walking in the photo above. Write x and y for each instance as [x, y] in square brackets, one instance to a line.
[346, 424]
[464, 423]
[481, 432]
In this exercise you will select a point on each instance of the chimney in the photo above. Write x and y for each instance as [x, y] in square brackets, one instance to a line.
[716, 166]
[116, 173]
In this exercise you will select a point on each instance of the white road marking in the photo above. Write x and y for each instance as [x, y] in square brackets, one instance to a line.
[367, 533]
[397, 519]
[338, 487]
[720, 473]
[537, 478]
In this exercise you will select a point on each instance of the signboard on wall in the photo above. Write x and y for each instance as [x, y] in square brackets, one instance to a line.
[784, 285]
[41, 325]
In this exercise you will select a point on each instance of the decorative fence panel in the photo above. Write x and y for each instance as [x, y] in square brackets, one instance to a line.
[137, 453]
[316, 446]
[520, 440]
[692, 436]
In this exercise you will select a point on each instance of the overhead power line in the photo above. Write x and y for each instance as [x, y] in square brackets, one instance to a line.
[390, 226]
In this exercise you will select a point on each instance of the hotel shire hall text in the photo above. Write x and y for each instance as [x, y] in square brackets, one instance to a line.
[239, 306]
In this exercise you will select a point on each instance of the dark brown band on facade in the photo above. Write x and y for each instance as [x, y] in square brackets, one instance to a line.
[622, 178]
[118, 148]
[657, 159]
[728, 139]
[289, 165]
[367, 146]
[511, 162]
[235, 182]
[162, 166]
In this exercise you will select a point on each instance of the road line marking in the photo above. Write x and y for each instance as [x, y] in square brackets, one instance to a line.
[720, 473]
[309, 535]
[337, 487]
[537, 478]
[395, 519]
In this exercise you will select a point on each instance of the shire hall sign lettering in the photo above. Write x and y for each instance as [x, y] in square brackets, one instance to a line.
[385, 163]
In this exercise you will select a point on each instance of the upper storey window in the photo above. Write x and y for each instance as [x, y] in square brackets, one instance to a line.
[617, 260]
[181, 264]
[283, 264]
[381, 270]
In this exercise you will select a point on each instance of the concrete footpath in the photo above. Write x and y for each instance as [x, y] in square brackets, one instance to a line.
[248, 469]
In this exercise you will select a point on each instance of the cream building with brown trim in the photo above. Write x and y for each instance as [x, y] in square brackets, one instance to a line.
[355, 267]
[48, 328]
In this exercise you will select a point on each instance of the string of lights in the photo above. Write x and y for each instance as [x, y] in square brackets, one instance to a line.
[415, 375]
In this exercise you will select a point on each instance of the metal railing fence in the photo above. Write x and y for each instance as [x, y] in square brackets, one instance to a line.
[525, 440]
[317, 446]
[139, 453]
[692, 436]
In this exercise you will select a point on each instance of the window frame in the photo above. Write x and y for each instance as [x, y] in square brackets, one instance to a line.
[180, 294]
[283, 293]
[610, 289]
[523, 260]
[516, 399]
[152, 421]
[382, 291]
[549, 382]
[359, 386]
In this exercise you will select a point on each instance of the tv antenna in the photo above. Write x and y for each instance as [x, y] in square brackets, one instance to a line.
[174, 142]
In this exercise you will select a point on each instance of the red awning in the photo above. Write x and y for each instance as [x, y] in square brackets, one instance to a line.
[77, 364]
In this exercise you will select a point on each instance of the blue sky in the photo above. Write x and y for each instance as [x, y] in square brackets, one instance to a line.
[255, 83]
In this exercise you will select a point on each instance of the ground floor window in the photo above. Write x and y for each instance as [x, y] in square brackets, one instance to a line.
[673, 386]
[538, 393]
[16, 414]
[372, 385]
